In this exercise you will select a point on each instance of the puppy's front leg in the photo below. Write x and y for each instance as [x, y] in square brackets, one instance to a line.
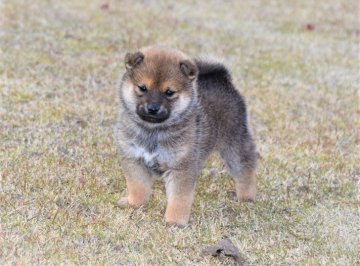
[138, 182]
[180, 188]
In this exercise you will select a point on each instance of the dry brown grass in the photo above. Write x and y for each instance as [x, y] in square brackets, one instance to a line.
[59, 173]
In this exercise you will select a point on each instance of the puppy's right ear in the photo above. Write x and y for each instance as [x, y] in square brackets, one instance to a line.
[133, 59]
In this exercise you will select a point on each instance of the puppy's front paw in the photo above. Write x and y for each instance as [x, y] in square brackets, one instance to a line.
[246, 193]
[176, 223]
[175, 218]
[246, 198]
[126, 202]
[123, 202]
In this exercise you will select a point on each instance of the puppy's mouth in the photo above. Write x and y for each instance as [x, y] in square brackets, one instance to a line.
[158, 118]
[152, 119]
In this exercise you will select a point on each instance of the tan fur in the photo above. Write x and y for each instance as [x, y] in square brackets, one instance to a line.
[245, 187]
[178, 210]
[180, 193]
[148, 81]
[168, 84]
[153, 52]
[138, 183]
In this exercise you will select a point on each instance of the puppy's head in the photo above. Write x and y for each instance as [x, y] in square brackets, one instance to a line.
[159, 84]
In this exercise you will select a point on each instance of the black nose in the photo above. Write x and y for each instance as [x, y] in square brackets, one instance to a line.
[153, 108]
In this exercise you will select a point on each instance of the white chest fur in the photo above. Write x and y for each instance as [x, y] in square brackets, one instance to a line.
[139, 152]
[162, 157]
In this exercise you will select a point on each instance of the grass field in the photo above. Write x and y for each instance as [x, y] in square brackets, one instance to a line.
[297, 64]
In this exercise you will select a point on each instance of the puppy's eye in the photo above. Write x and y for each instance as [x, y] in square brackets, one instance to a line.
[142, 88]
[169, 93]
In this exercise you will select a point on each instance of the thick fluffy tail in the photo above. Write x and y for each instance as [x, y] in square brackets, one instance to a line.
[212, 70]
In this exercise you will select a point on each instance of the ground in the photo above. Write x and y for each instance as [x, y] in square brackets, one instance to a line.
[296, 63]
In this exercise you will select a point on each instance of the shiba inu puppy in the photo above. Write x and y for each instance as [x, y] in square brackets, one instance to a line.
[174, 111]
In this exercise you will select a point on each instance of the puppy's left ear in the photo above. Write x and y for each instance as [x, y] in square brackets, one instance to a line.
[133, 59]
[189, 69]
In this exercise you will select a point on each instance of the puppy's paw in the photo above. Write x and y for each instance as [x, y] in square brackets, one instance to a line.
[124, 202]
[246, 192]
[173, 223]
[246, 199]
[176, 219]
[128, 202]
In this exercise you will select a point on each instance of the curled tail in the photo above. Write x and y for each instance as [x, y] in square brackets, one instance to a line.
[212, 70]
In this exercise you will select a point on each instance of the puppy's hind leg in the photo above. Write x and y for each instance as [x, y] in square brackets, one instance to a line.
[240, 160]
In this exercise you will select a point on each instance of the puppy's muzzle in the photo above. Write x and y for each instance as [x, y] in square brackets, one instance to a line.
[153, 108]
